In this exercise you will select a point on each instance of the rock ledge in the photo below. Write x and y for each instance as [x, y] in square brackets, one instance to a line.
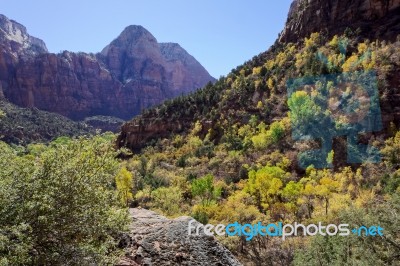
[156, 240]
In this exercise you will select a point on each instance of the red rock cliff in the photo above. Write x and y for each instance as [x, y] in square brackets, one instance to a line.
[132, 73]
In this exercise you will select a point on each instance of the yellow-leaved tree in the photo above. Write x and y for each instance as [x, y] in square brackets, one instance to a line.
[124, 182]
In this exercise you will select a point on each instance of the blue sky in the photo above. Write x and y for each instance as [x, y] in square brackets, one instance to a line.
[220, 34]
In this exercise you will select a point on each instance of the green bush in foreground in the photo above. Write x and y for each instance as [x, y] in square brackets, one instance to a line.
[59, 206]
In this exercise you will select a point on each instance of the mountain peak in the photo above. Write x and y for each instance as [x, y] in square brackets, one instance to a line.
[135, 28]
[136, 53]
[17, 38]
[133, 33]
[131, 36]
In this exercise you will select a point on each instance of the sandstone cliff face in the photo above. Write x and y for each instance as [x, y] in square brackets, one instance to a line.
[132, 73]
[74, 85]
[179, 66]
[15, 44]
[156, 240]
[375, 18]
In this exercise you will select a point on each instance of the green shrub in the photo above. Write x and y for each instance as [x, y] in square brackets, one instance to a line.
[60, 207]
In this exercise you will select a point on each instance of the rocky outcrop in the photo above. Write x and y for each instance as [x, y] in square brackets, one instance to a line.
[132, 73]
[156, 240]
[375, 19]
[136, 133]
